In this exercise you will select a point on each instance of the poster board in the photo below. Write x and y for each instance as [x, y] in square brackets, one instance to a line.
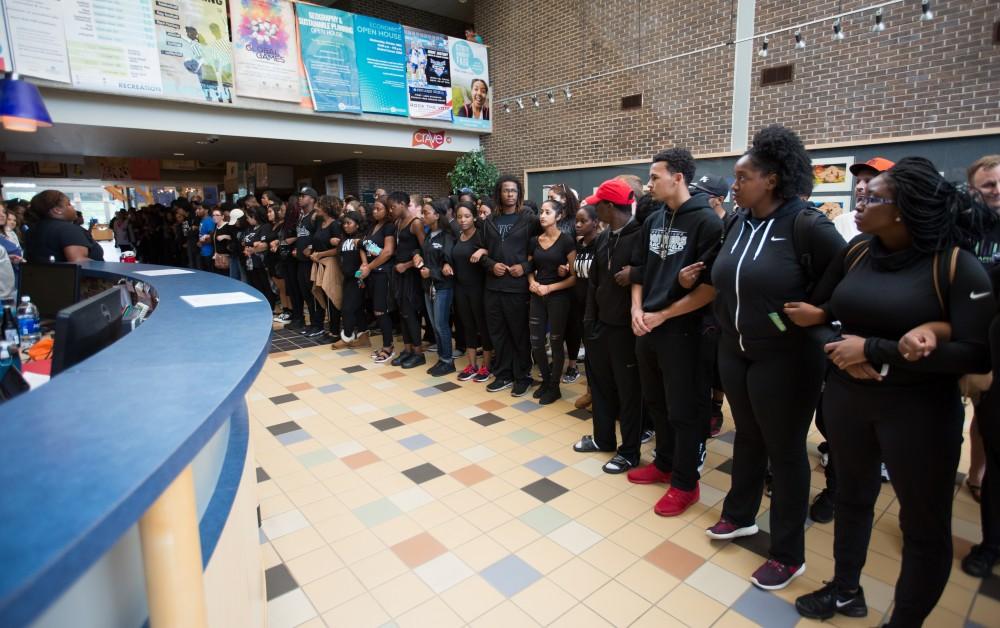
[265, 49]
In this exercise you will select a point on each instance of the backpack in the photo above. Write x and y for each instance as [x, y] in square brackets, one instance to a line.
[802, 226]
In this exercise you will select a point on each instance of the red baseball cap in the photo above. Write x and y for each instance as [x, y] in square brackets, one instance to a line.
[613, 191]
[878, 164]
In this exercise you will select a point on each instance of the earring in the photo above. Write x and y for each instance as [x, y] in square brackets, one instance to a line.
[898, 219]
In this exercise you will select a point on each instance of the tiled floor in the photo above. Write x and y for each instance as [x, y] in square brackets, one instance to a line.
[393, 498]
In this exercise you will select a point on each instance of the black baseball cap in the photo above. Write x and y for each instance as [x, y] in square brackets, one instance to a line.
[711, 185]
[308, 191]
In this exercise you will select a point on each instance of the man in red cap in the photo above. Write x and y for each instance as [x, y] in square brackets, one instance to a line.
[667, 320]
[863, 173]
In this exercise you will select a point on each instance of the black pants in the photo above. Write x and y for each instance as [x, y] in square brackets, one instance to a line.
[304, 284]
[206, 263]
[917, 432]
[507, 321]
[258, 279]
[574, 328]
[708, 371]
[672, 387]
[773, 394]
[352, 308]
[379, 283]
[471, 310]
[830, 471]
[290, 268]
[549, 312]
[614, 388]
[409, 300]
[988, 419]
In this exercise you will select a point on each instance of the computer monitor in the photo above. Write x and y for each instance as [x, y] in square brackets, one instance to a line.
[87, 327]
[52, 287]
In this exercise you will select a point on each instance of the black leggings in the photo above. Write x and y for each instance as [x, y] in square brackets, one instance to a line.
[303, 269]
[409, 299]
[291, 270]
[551, 312]
[352, 307]
[574, 328]
[471, 310]
[917, 432]
[773, 393]
[379, 283]
[258, 279]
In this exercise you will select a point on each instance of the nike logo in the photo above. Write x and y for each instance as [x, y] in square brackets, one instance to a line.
[777, 239]
[844, 603]
[978, 295]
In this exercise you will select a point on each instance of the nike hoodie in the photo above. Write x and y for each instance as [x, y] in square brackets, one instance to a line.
[608, 302]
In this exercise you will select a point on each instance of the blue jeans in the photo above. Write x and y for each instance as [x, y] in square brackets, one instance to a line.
[234, 267]
[438, 310]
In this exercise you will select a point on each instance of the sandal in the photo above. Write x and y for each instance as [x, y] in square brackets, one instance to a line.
[976, 491]
[618, 464]
[587, 445]
[384, 355]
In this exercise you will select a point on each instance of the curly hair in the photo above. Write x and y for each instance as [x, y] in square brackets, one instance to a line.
[678, 160]
[499, 187]
[778, 150]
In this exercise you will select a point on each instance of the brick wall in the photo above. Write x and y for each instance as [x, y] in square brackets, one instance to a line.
[913, 78]
[370, 174]
[403, 15]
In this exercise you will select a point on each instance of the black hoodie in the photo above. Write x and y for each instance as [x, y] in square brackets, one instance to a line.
[511, 249]
[669, 242]
[608, 302]
[436, 252]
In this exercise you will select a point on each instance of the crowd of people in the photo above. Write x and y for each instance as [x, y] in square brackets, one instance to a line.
[876, 327]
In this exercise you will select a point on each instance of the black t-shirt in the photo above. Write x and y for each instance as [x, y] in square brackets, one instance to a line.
[406, 243]
[260, 233]
[547, 261]
[467, 274]
[223, 244]
[350, 257]
[581, 266]
[304, 230]
[49, 237]
[322, 236]
[377, 237]
[505, 222]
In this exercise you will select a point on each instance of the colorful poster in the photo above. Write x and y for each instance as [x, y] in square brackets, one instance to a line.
[381, 65]
[196, 55]
[37, 37]
[470, 84]
[428, 77]
[265, 49]
[4, 48]
[327, 40]
[112, 46]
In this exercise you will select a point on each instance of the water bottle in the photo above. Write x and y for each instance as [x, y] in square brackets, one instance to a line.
[372, 248]
[28, 323]
[10, 334]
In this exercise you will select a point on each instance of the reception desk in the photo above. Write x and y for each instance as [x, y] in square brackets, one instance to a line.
[128, 484]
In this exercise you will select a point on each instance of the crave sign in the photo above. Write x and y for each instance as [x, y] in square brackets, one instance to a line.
[430, 139]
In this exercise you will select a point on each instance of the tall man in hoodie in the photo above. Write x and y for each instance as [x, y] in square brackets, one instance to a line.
[666, 318]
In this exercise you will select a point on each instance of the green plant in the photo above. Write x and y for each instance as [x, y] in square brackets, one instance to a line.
[473, 171]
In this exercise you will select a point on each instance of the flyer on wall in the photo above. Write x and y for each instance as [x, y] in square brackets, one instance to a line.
[381, 65]
[37, 38]
[196, 55]
[470, 84]
[428, 77]
[265, 49]
[4, 48]
[327, 41]
[112, 46]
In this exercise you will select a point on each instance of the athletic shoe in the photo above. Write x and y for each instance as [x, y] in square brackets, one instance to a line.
[540, 391]
[316, 332]
[676, 501]
[467, 373]
[499, 384]
[824, 453]
[647, 436]
[772, 575]
[726, 529]
[885, 474]
[431, 347]
[715, 423]
[830, 600]
[380, 358]
[648, 474]
[551, 395]
[571, 375]
[702, 456]
[583, 401]
[415, 360]
[482, 375]
[402, 357]
[295, 325]
[619, 464]
[979, 562]
[280, 318]
[822, 507]
[442, 368]
[522, 387]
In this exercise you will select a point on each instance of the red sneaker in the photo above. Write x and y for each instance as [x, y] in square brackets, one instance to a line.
[676, 501]
[483, 375]
[773, 575]
[467, 373]
[648, 474]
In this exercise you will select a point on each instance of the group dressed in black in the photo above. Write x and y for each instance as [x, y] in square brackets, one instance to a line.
[675, 299]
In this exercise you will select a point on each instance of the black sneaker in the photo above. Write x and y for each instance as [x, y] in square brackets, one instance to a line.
[647, 436]
[829, 601]
[296, 325]
[315, 332]
[522, 387]
[824, 453]
[413, 361]
[441, 368]
[540, 391]
[499, 384]
[702, 456]
[402, 357]
[551, 394]
[571, 375]
[979, 562]
[821, 510]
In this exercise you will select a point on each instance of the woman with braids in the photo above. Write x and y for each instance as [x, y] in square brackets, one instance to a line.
[771, 369]
[915, 307]
[52, 236]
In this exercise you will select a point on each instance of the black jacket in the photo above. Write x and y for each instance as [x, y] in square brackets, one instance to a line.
[436, 252]
[669, 242]
[509, 250]
[607, 302]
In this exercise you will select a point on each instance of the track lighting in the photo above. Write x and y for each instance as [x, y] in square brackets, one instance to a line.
[763, 49]
[534, 101]
[520, 103]
[506, 108]
[552, 98]
[799, 42]
[926, 15]
[878, 26]
[838, 34]
[568, 93]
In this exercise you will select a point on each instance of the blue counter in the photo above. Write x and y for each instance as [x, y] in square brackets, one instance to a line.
[86, 454]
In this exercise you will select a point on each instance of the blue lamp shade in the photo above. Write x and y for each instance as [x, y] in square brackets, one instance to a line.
[21, 106]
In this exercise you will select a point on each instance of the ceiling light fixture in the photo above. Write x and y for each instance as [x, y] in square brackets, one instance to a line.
[317, 161]
[21, 106]
[763, 49]
[178, 154]
[878, 26]
[799, 42]
[359, 152]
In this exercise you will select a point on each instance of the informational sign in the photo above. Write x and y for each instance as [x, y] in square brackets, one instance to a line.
[265, 49]
[37, 37]
[196, 55]
[327, 45]
[428, 76]
[4, 48]
[112, 46]
[381, 65]
[470, 86]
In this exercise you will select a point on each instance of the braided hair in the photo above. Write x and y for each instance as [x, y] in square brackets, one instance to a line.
[937, 214]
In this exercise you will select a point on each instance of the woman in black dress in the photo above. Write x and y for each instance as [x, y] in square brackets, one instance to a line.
[470, 282]
[380, 246]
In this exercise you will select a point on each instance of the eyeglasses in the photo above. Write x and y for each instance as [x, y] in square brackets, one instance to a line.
[876, 200]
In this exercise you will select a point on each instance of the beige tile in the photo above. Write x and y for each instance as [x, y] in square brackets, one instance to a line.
[472, 598]
[691, 606]
[378, 568]
[656, 618]
[695, 540]
[581, 616]
[269, 557]
[579, 578]
[544, 601]
[338, 527]
[314, 565]
[298, 543]
[487, 517]
[480, 552]
[609, 557]
[361, 612]
[323, 509]
[433, 612]
[514, 535]
[275, 505]
[402, 593]
[648, 581]
[333, 590]
[504, 615]
[545, 555]
[358, 546]
[617, 604]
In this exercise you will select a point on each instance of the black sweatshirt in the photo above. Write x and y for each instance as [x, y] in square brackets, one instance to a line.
[436, 252]
[608, 302]
[757, 270]
[885, 295]
[510, 249]
[669, 242]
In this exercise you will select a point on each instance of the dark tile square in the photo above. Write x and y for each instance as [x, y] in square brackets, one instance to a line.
[728, 437]
[487, 419]
[284, 428]
[759, 543]
[581, 413]
[386, 424]
[544, 490]
[262, 475]
[291, 363]
[422, 473]
[354, 369]
[446, 386]
[279, 581]
[990, 588]
[284, 398]
[726, 467]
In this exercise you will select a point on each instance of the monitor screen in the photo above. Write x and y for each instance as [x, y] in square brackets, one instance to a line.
[87, 327]
[51, 287]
